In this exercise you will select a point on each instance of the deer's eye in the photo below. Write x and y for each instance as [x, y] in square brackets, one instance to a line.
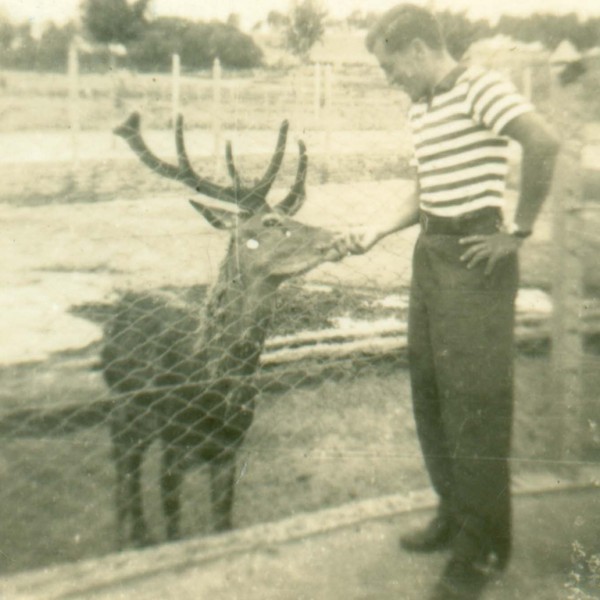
[252, 244]
[271, 221]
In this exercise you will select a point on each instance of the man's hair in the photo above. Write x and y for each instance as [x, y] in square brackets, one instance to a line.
[400, 25]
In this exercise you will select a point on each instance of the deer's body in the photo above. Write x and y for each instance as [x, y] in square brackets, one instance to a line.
[186, 373]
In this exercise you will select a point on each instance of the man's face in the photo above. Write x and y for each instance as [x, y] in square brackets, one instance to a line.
[407, 69]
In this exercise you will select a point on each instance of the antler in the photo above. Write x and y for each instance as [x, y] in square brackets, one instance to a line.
[292, 203]
[248, 199]
[130, 132]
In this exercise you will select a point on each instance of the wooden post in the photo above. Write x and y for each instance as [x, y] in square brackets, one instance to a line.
[217, 133]
[74, 123]
[328, 117]
[567, 342]
[175, 89]
[295, 94]
[317, 92]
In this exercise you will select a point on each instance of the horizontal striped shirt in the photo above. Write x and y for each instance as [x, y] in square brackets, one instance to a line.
[460, 153]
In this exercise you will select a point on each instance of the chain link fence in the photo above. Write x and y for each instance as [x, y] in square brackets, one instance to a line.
[135, 329]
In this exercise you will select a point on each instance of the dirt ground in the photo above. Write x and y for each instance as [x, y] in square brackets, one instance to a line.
[309, 449]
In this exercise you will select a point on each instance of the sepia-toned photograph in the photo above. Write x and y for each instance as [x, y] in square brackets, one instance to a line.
[301, 300]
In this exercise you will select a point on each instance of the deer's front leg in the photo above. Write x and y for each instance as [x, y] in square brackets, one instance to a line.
[139, 529]
[121, 494]
[170, 487]
[222, 480]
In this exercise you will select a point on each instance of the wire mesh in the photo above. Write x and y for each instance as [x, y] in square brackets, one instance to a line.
[130, 330]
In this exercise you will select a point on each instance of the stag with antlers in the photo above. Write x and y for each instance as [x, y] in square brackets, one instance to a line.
[185, 376]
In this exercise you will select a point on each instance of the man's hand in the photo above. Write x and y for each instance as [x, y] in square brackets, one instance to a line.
[357, 240]
[489, 247]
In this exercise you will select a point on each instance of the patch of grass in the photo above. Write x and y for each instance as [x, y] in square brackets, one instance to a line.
[99, 181]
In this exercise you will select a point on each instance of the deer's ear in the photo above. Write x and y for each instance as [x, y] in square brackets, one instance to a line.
[217, 217]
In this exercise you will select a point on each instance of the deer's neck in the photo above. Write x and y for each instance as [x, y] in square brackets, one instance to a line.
[235, 322]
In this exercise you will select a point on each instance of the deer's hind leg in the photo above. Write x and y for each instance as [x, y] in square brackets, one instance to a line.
[222, 483]
[128, 458]
[170, 487]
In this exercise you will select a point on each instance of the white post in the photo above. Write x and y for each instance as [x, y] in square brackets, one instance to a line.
[295, 94]
[235, 99]
[73, 71]
[217, 112]
[175, 87]
[328, 116]
[317, 91]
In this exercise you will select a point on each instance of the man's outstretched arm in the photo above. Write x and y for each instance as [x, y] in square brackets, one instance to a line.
[359, 240]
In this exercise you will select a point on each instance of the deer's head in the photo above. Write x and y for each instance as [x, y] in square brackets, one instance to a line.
[266, 242]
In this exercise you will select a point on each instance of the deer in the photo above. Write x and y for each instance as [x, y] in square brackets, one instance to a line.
[184, 375]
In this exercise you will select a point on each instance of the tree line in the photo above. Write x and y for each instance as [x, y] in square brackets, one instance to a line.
[151, 42]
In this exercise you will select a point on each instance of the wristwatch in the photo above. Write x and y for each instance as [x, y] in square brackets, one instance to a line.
[513, 229]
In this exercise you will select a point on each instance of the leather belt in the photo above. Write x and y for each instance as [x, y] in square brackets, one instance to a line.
[483, 221]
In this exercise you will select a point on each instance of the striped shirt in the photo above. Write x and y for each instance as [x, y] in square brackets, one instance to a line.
[460, 153]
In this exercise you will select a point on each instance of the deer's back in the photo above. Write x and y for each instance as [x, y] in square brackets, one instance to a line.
[149, 342]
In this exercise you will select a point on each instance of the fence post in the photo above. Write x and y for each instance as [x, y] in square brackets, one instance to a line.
[567, 333]
[317, 92]
[328, 118]
[175, 88]
[74, 124]
[216, 116]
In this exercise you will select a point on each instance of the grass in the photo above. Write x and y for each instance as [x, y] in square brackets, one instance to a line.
[104, 180]
[308, 449]
[248, 100]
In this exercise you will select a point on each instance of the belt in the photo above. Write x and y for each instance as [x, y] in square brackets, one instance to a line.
[483, 221]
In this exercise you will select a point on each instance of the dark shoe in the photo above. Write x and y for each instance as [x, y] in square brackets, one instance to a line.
[438, 535]
[461, 580]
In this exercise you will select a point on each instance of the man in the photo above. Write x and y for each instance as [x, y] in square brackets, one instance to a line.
[465, 278]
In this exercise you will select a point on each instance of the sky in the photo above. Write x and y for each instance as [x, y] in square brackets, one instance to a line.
[251, 11]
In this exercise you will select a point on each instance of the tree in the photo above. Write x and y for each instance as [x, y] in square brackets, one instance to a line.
[7, 32]
[305, 28]
[460, 32]
[277, 20]
[114, 21]
[552, 29]
[197, 43]
[53, 47]
[233, 20]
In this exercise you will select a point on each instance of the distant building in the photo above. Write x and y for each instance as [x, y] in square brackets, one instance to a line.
[564, 55]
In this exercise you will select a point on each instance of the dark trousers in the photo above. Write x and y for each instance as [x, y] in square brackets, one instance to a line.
[461, 365]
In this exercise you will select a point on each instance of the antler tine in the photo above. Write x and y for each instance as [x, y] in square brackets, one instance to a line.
[130, 131]
[292, 203]
[209, 215]
[264, 185]
[190, 177]
[231, 166]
